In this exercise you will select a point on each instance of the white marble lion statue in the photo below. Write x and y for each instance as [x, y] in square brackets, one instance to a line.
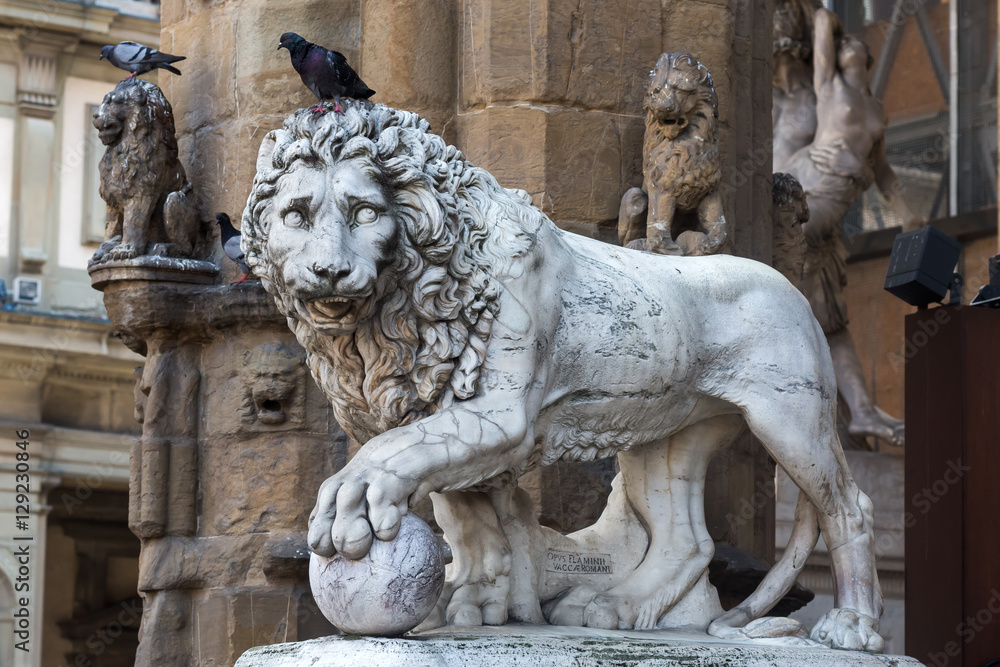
[463, 338]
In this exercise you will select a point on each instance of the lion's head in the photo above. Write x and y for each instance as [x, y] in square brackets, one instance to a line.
[680, 94]
[136, 123]
[134, 109]
[386, 250]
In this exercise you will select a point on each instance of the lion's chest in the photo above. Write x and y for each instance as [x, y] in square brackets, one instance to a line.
[687, 167]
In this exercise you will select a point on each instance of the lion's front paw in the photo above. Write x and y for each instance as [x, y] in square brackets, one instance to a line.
[123, 251]
[663, 245]
[354, 504]
[848, 629]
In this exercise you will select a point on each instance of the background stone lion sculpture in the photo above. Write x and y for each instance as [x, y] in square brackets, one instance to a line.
[464, 338]
[142, 180]
[681, 165]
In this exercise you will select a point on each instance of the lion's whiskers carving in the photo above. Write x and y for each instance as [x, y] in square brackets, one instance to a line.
[431, 317]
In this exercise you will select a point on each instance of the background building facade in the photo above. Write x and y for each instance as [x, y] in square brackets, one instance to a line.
[63, 376]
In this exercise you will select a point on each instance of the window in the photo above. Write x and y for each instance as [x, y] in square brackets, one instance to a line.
[945, 158]
[93, 206]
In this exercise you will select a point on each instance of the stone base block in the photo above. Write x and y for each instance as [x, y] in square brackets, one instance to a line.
[532, 645]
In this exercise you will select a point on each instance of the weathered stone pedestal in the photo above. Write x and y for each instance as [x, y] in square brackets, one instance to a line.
[236, 438]
[523, 645]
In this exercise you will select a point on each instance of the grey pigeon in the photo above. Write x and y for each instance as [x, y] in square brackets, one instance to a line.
[326, 73]
[138, 58]
[231, 245]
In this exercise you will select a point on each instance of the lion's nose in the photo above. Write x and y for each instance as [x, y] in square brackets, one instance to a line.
[333, 272]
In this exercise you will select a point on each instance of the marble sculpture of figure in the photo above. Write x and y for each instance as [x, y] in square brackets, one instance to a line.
[678, 211]
[793, 108]
[844, 157]
[464, 338]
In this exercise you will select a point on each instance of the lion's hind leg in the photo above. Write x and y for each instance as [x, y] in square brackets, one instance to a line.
[808, 449]
[744, 621]
[478, 578]
[665, 483]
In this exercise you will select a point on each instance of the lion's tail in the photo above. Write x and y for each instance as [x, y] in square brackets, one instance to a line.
[780, 579]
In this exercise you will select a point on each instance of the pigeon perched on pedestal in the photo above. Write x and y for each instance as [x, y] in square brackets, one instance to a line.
[326, 73]
[231, 245]
[138, 58]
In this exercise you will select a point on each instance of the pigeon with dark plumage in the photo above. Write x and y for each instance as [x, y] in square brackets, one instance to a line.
[231, 245]
[138, 58]
[326, 73]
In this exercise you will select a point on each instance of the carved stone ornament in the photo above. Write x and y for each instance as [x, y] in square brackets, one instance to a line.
[273, 376]
[465, 339]
[678, 211]
[153, 223]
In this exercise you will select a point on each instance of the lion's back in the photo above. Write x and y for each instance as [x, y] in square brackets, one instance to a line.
[712, 298]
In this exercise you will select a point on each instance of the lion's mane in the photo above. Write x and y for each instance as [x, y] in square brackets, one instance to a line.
[689, 165]
[424, 341]
[143, 158]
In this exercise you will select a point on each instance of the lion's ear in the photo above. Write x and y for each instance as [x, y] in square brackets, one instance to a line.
[266, 151]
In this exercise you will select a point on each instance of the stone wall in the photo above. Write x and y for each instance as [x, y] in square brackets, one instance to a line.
[236, 439]
[545, 95]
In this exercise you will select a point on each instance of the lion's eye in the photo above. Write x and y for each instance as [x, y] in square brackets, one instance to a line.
[365, 215]
[294, 218]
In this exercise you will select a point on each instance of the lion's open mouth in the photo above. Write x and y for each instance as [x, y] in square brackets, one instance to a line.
[332, 308]
[109, 133]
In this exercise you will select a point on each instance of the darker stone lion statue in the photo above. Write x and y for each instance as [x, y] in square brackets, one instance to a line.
[681, 165]
[150, 206]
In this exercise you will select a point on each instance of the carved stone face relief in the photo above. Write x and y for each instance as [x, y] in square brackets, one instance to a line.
[273, 375]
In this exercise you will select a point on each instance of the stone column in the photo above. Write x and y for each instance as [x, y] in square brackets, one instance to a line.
[236, 439]
[35, 150]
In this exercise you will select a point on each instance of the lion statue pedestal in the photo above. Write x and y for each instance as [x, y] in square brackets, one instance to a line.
[465, 339]
[552, 646]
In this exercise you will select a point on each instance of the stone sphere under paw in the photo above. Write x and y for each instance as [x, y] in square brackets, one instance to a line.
[387, 592]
